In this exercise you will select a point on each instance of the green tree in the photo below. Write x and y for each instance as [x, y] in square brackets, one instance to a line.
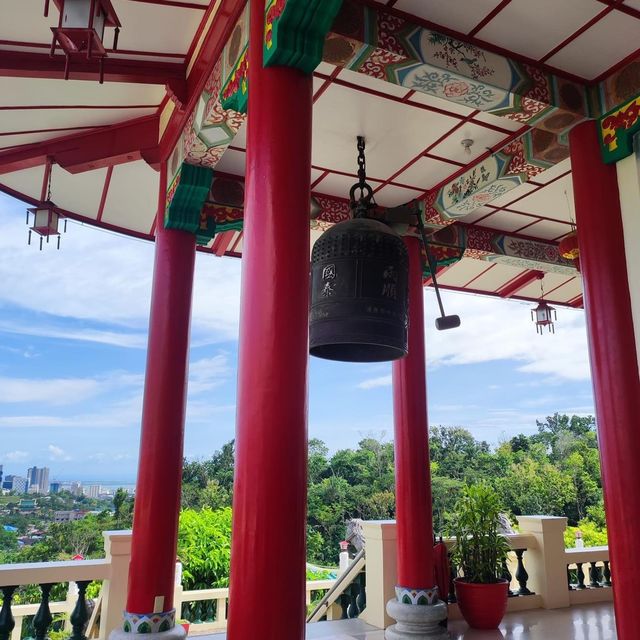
[532, 487]
[204, 548]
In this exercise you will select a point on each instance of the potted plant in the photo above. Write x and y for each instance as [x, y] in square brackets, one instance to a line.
[480, 552]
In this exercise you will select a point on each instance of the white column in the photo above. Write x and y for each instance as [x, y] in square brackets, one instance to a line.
[117, 547]
[546, 563]
[380, 536]
[629, 185]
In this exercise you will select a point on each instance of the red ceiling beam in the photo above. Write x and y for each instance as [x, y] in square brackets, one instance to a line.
[20, 64]
[519, 282]
[123, 142]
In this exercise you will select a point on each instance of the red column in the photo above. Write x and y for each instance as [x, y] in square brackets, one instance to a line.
[269, 508]
[411, 429]
[614, 367]
[157, 504]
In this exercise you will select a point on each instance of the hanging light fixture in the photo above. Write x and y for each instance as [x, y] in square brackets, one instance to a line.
[46, 217]
[569, 247]
[359, 285]
[544, 315]
[80, 30]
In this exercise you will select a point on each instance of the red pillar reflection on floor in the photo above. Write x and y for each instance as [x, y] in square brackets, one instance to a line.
[614, 366]
[413, 477]
[157, 504]
[269, 502]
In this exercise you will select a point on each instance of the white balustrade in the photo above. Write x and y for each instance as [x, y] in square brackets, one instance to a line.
[546, 561]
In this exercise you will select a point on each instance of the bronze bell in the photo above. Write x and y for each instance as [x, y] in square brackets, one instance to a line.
[359, 293]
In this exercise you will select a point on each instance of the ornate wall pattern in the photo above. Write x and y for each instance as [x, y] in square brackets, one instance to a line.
[215, 122]
[617, 129]
[376, 43]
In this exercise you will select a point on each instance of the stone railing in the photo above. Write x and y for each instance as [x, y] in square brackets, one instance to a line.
[588, 575]
[542, 573]
[81, 616]
[205, 610]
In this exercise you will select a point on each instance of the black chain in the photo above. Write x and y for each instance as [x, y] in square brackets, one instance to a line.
[365, 201]
[362, 164]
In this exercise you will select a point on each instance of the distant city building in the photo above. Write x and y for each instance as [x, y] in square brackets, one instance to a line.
[0, 475]
[76, 488]
[38, 480]
[7, 483]
[92, 491]
[18, 484]
[27, 505]
[55, 487]
[68, 516]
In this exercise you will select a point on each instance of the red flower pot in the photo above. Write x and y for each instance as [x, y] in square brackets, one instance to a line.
[482, 605]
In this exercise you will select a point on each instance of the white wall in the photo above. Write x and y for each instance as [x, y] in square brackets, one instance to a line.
[629, 186]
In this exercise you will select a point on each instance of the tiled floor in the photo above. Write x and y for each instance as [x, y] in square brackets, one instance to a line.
[586, 622]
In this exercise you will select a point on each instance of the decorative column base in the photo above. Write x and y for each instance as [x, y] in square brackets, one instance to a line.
[419, 614]
[153, 626]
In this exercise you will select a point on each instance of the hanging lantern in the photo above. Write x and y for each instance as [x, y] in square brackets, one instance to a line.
[542, 316]
[359, 286]
[46, 217]
[80, 30]
[569, 249]
[46, 222]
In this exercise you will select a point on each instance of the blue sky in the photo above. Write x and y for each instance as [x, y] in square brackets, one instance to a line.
[72, 355]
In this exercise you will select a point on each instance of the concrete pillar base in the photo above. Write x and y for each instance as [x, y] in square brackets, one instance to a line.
[177, 633]
[417, 622]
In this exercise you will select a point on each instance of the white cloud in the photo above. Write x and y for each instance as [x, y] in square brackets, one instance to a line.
[114, 338]
[494, 329]
[64, 391]
[106, 278]
[16, 456]
[53, 391]
[57, 453]
[375, 383]
[207, 373]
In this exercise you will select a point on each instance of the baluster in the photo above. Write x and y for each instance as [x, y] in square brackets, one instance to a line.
[451, 598]
[345, 601]
[7, 621]
[80, 614]
[43, 618]
[354, 592]
[569, 583]
[361, 600]
[594, 573]
[210, 615]
[221, 609]
[607, 574]
[197, 612]
[506, 575]
[186, 611]
[580, 584]
[521, 574]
